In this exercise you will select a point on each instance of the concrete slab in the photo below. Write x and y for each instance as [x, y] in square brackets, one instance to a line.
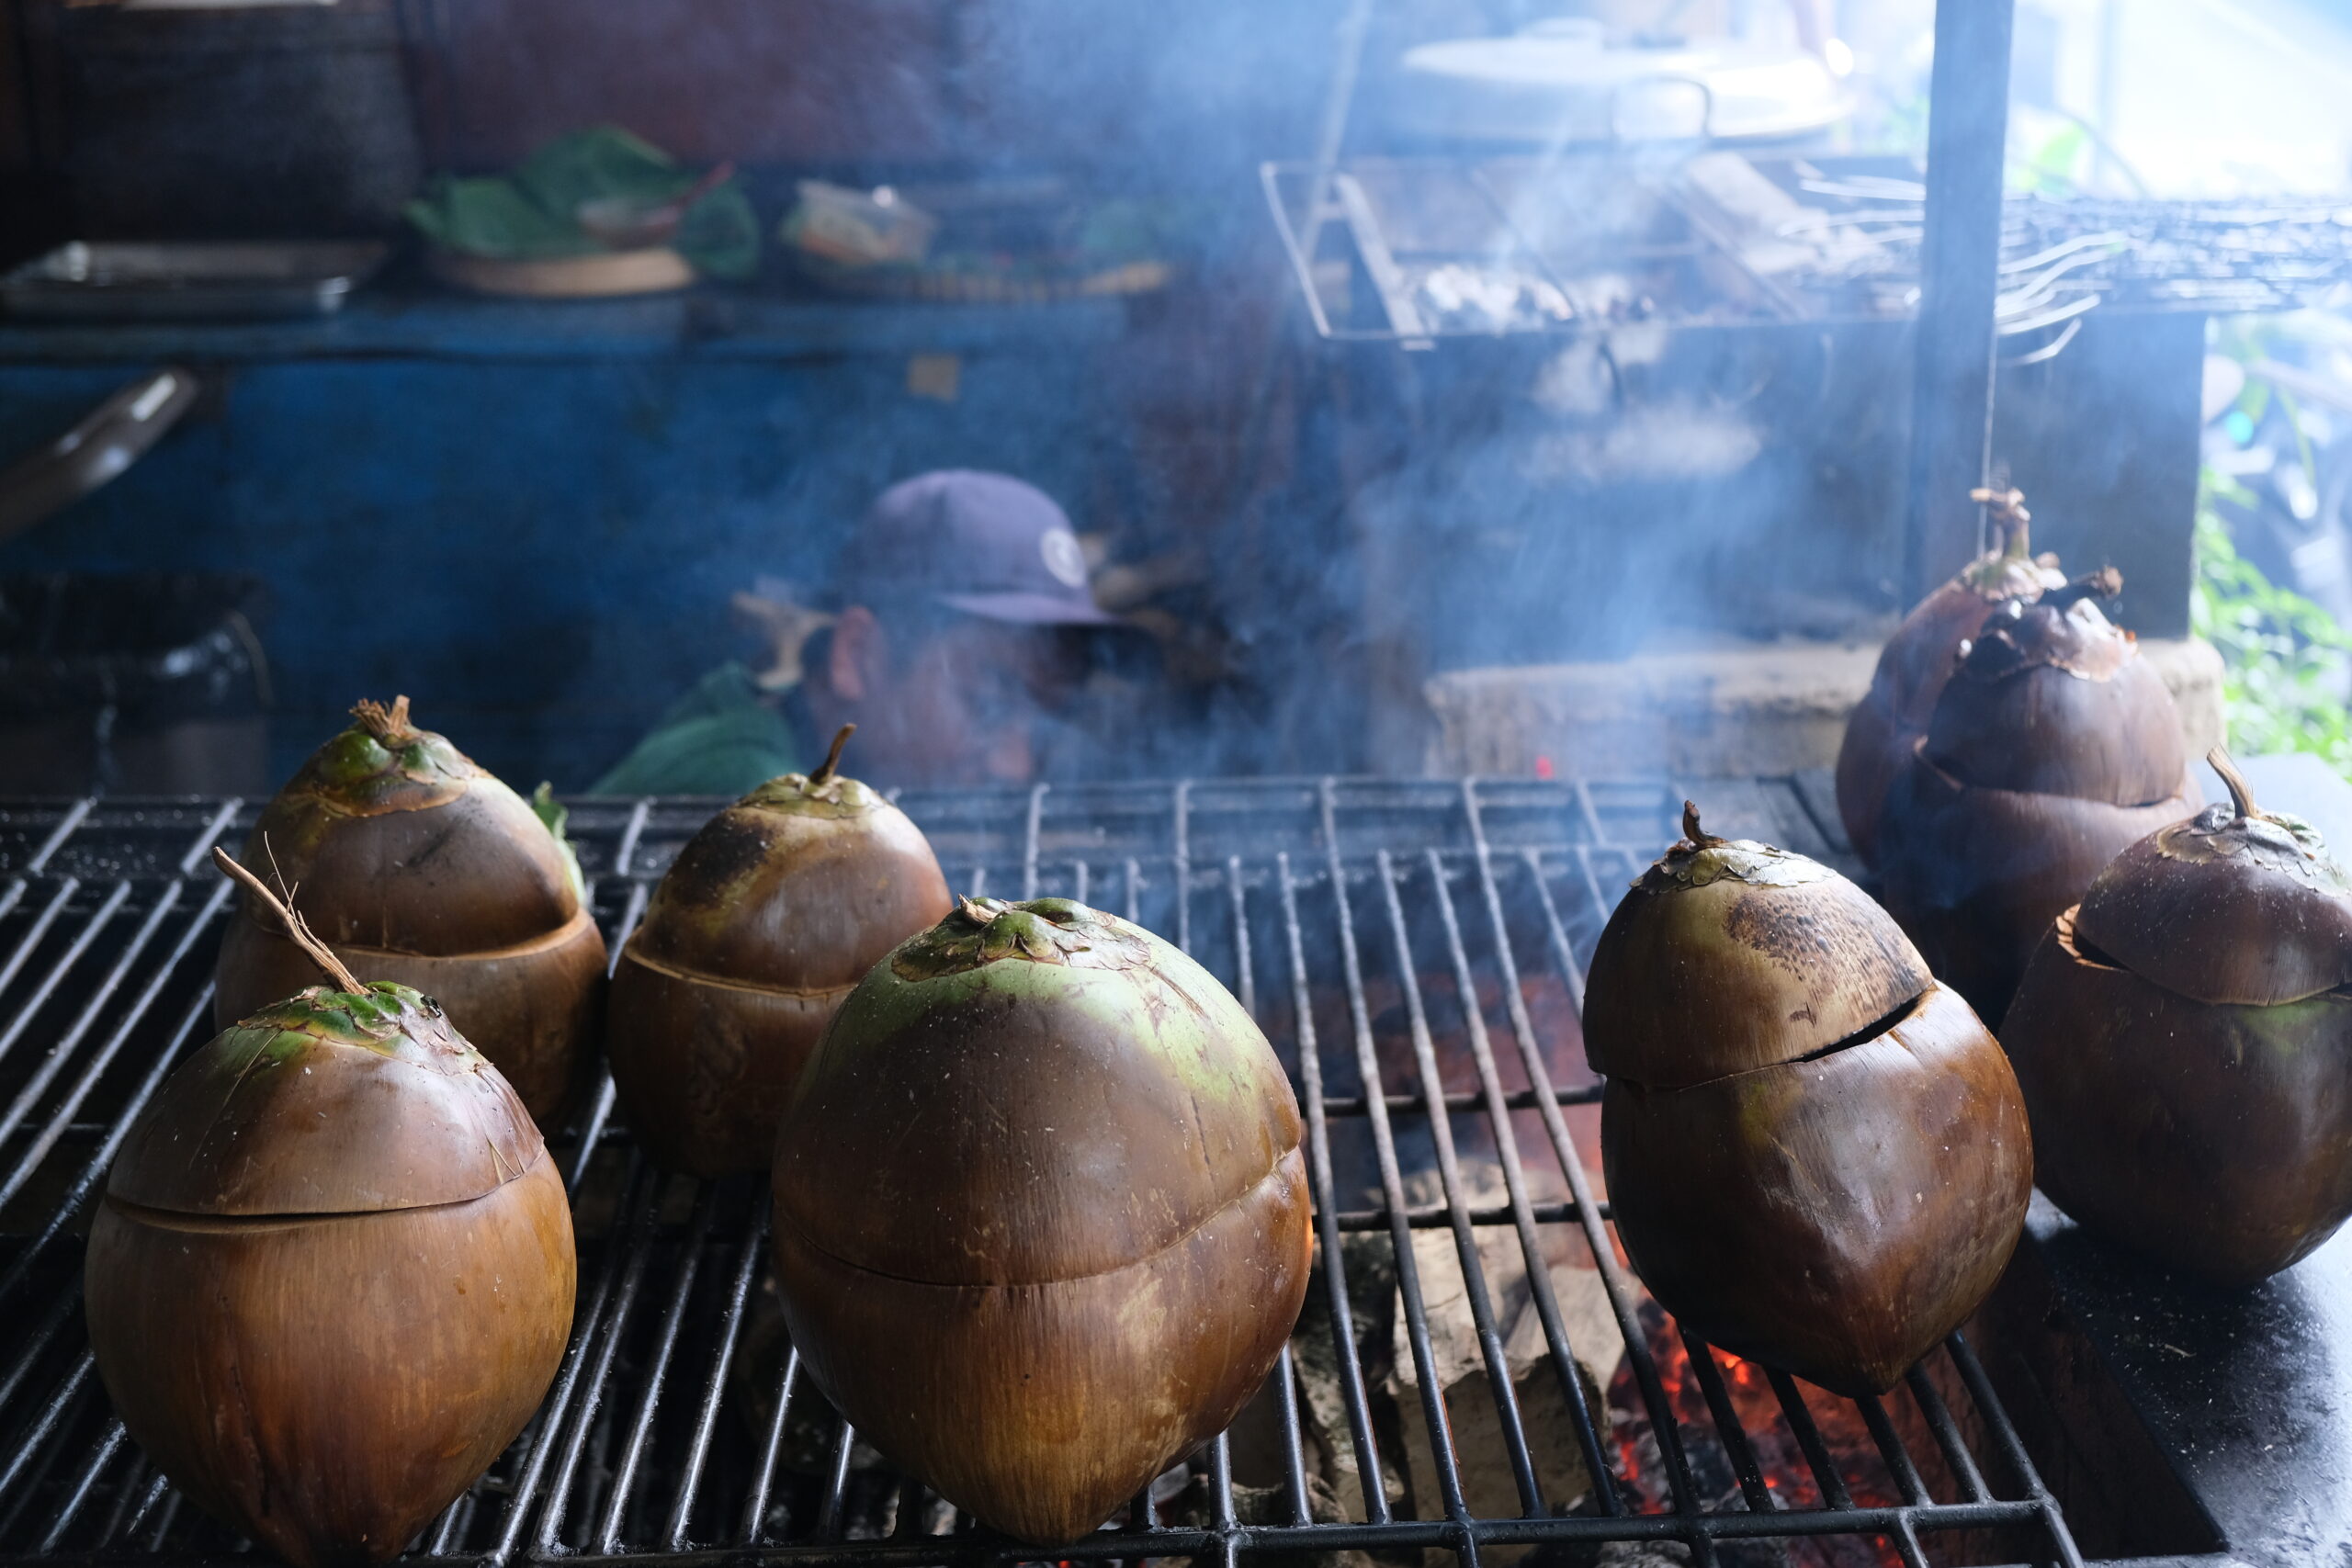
[1759, 709]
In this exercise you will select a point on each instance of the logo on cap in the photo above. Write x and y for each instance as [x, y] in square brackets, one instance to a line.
[1063, 558]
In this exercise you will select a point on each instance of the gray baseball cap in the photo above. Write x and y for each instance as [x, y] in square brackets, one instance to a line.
[985, 544]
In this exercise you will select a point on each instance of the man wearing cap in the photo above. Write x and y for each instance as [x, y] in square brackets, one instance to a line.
[962, 597]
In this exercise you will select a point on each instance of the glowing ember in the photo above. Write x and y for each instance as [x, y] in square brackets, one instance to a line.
[1779, 1457]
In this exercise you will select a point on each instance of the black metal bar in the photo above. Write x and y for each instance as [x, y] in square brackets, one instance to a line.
[456, 1519]
[739, 1296]
[37, 930]
[1246, 989]
[62, 1051]
[655, 1373]
[1736, 1447]
[16, 1500]
[143, 1502]
[36, 1344]
[1555, 1333]
[829, 1512]
[625, 852]
[1908, 1479]
[600, 1103]
[1285, 1380]
[634, 1244]
[2012, 1447]
[1947, 1433]
[1449, 1170]
[755, 1501]
[193, 1024]
[1465, 1099]
[1960, 256]
[1439, 1217]
[1245, 980]
[1816, 1453]
[101, 1452]
[1030, 827]
[1318, 1168]
[1228, 1533]
[31, 1443]
[567, 1379]
[1907, 1482]
[1392, 1185]
[1180, 807]
[88, 1077]
[166, 1512]
[54, 975]
[1614, 1279]
[1564, 956]
[1737, 1525]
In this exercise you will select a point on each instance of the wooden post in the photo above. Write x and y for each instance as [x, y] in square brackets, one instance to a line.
[1951, 404]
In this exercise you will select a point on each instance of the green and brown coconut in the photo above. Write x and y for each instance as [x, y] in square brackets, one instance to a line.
[1041, 1214]
[418, 867]
[1816, 1156]
[769, 915]
[2184, 1037]
[332, 1275]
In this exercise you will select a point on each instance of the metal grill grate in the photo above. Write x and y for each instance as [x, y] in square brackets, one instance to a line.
[1415, 949]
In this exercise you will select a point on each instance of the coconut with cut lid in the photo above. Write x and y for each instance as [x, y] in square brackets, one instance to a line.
[419, 867]
[332, 1276]
[2052, 747]
[2184, 1038]
[1041, 1214]
[1918, 659]
[1816, 1156]
[770, 914]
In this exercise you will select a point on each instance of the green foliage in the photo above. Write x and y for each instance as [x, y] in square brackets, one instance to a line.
[534, 212]
[555, 814]
[2053, 166]
[2284, 660]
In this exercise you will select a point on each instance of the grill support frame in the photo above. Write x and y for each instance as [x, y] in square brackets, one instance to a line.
[1350, 861]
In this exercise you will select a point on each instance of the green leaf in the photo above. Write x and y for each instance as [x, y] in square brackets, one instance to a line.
[534, 213]
[2285, 659]
[555, 814]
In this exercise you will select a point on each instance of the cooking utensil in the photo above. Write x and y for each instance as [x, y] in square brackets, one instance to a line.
[190, 279]
[107, 440]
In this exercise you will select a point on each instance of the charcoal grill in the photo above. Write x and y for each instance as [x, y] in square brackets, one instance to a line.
[680, 1429]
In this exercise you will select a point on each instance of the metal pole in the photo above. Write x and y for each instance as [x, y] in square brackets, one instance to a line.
[1952, 404]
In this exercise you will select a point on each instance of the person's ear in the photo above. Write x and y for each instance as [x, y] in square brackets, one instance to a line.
[855, 657]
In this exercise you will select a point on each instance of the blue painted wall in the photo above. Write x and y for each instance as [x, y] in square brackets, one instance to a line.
[529, 519]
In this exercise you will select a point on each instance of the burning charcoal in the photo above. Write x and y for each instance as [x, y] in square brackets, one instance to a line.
[1885, 726]
[1780, 1459]
[1484, 1462]
[2052, 747]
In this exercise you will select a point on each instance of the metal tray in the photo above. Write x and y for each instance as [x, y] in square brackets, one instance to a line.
[189, 280]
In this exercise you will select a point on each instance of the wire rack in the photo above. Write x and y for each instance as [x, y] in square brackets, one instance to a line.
[1416, 951]
[1588, 242]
